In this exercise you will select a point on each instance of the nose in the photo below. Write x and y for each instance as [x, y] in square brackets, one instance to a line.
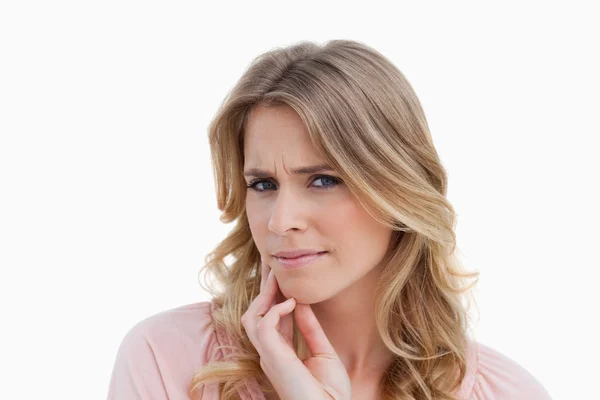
[287, 213]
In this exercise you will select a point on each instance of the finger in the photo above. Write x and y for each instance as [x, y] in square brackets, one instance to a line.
[309, 326]
[265, 300]
[268, 327]
[257, 309]
[264, 274]
[286, 325]
[260, 305]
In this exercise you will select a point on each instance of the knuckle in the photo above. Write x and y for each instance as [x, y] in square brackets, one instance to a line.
[262, 333]
[260, 326]
[245, 320]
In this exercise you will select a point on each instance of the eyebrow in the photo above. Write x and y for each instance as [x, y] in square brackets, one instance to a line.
[259, 173]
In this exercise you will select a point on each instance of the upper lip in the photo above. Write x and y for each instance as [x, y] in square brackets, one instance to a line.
[296, 253]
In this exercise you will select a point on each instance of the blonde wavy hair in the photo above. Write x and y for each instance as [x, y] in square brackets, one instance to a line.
[365, 119]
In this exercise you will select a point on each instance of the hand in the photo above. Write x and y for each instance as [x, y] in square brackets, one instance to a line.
[270, 329]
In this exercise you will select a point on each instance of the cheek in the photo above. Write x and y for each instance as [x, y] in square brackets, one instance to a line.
[347, 223]
[361, 240]
[253, 218]
[257, 211]
[257, 221]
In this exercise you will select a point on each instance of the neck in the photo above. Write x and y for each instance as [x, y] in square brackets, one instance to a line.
[348, 320]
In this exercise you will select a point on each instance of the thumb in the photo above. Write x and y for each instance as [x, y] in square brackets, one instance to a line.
[313, 333]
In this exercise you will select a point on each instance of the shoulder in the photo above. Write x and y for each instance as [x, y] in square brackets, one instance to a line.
[159, 355]
[176, 333]
[492, 375]
[189, 324]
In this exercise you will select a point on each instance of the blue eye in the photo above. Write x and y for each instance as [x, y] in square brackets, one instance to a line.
[325, 178]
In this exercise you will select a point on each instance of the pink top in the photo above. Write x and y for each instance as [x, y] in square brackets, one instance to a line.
[159, 355]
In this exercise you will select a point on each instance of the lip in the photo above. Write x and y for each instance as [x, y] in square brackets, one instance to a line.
[301, 261]
[297, 253]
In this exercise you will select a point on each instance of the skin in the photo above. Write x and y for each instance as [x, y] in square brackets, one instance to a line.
[288, 211]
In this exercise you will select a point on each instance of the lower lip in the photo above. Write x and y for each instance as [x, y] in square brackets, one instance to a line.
[299, 261]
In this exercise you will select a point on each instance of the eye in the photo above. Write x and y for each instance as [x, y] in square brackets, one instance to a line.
[333, 181]
[327, 178]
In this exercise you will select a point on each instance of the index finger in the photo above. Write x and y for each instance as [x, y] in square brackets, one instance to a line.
[264, 274]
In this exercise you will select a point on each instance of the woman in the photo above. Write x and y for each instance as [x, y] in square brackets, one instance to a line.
[343, 282]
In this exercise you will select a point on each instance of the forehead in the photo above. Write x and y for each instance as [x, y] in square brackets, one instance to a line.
[273, 131]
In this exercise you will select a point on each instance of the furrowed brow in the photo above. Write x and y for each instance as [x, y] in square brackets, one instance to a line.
[314, 169]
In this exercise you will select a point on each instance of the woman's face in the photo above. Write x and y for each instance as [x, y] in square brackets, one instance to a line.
[290, 211]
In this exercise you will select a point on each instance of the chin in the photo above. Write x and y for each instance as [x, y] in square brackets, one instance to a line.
[304, 296]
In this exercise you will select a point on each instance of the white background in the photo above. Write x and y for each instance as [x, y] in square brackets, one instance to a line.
[107, 204]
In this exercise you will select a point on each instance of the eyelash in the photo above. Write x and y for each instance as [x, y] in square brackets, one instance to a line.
[337, 181]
